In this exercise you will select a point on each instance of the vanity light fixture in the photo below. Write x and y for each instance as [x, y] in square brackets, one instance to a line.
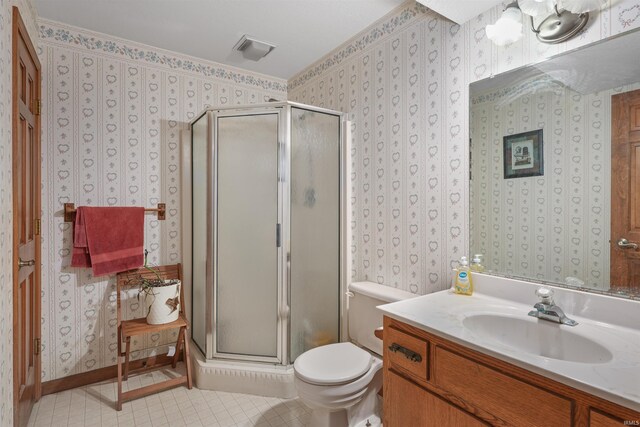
[253, 49]
[564, 19]
[508, 28]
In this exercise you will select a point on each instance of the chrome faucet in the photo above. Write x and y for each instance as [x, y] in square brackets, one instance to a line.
[546, 309]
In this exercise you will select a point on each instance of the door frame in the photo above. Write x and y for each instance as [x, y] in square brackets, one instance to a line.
[19, 32]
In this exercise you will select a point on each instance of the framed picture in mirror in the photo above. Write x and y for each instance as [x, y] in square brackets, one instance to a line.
[523, 155]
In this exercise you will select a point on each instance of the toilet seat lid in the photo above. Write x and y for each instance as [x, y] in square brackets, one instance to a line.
[332, 364]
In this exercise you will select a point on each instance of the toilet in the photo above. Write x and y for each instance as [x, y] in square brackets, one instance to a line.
[340, 382]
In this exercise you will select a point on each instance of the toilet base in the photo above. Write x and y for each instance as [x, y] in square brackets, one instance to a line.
[369, 409]
[344, 418]
[373, 421]
[322, 418]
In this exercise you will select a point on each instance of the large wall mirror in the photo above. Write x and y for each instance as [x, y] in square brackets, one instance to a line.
[555, 169]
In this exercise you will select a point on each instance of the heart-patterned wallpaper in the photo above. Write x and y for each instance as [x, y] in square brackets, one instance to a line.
[27, 11]
[113, 113]
[553, 226]
[404, 82]
[398, 179]
[113, 110]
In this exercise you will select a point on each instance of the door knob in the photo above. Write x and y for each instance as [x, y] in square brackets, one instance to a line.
[625, 244]
[29, 263]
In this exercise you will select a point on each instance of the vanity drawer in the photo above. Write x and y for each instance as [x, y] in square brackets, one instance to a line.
[598, 419]
[513, 401]
[407, 352]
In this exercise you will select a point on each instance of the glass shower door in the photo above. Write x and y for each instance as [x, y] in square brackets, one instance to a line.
[247, 253]
[315, 230]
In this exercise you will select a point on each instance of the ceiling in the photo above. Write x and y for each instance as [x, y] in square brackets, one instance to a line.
[460, 11]
[302, 30]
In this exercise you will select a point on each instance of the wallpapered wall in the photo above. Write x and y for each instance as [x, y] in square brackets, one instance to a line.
[113, 110]
[112, 120]
[6, 201]
[404, 82]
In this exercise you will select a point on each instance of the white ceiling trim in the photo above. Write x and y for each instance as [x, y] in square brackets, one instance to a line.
[302, 30]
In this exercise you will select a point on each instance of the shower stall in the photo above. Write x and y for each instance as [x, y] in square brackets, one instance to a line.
[267, 231]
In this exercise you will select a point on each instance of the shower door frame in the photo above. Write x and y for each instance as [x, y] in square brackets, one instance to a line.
[283, 108]
[282, 277]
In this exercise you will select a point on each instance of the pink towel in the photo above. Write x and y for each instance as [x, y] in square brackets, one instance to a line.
[80, 254]
[109, 240]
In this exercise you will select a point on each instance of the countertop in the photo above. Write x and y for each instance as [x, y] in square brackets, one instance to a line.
[617, 380]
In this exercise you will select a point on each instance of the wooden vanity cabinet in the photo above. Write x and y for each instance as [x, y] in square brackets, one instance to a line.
[430, 381]
[420, 407]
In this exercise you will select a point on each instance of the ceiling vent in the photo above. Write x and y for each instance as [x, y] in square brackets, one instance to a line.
[253, 49]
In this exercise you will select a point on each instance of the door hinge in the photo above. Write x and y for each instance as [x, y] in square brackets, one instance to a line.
[36, 346]
[37, 107]
[36, 226]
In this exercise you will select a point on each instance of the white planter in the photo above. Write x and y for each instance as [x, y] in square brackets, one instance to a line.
[159, 301]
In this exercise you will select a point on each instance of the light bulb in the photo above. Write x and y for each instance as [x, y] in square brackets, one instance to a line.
[536, 7]
[507, 29]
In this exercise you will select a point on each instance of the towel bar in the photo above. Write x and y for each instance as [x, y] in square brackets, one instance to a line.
[70, 211]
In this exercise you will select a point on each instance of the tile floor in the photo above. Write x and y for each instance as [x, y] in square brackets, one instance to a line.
[94, 405]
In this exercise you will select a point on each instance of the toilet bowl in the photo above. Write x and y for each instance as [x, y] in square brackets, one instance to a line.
[340, 382]
[333, 378]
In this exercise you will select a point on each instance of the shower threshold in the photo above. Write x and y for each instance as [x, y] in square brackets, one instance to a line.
[243, 377]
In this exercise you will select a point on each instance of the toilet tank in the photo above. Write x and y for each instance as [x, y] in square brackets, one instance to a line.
[363, 317]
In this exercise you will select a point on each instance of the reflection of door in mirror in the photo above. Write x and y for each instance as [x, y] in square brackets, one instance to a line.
[625, 191]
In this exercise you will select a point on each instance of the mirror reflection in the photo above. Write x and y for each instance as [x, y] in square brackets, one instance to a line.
[555, 169]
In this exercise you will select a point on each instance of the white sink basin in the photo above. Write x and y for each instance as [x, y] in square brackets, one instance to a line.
[537, 337]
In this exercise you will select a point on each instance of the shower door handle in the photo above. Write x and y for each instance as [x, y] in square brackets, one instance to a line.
[278, 235]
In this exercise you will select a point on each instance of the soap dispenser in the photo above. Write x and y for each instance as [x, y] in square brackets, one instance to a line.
[463, 285]
[476, 264]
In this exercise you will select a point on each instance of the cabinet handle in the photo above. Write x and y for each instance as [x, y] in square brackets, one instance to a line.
[409, 354]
